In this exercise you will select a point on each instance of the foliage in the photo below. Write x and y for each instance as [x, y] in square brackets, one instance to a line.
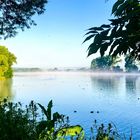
[17, 14]
[27, 69]
[117, 69]
[130, 64]
[104, 133]
[27, 123]
[7, 59]
[104, 63]
[24, 123]
[15, 122]
[71, 131]
[122, 35]
[54, 127]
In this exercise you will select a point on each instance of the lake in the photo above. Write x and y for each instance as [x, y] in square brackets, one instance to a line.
[115, 96]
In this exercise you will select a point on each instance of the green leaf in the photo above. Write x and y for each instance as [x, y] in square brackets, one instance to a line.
[105, 26]
[113, 32]
[49, 110]
[56, 116]
[103, 48]
[121, 9]
[115, 43]
[115, 6]
[116, 21]
[50, 104]
[105, 32]
[88, 38]
[93, 48]
[118, 50]
[69, 131]
[43, 109]
[98, 39]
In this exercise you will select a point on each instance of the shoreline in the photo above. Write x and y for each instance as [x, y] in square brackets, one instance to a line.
[75, 73]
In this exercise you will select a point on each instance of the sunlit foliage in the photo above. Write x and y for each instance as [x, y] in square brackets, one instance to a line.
[7, 59]
[24, 123]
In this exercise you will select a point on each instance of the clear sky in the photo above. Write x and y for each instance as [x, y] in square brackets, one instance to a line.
[57, 39]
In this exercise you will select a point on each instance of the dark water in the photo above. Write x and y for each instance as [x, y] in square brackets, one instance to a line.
[115, 97]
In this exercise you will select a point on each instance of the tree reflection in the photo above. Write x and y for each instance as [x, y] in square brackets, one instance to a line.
[106, 83]
[130, 83]
[6, 89]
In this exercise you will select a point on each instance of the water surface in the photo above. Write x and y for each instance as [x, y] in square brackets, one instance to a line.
[116, 97]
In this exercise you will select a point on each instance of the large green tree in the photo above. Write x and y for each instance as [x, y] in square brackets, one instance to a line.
[104, 63]
[122, 35]
[7, 59]
[17, 14]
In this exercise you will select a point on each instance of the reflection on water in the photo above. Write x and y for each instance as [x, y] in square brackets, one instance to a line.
[131, 84]
[108, 83]
[112, 84]
[6, 89]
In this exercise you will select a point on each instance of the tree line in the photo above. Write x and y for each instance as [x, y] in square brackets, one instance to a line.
[109, 63]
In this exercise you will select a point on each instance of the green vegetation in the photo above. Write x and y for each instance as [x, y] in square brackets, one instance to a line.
[106, 63]
[130, 64]
[122, 35]
[6, 61]
[27, 69]
[109, 63]
[102, 132]
[17, 123]
[25, 123]
[17, 14]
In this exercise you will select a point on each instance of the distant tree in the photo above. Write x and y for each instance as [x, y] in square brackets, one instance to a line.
[117, 69]
[7, 59]
[104, 63]
[17, 14]
[130, 64]
[122, 35]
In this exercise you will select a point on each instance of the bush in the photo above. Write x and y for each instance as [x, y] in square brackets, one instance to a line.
[25, 123]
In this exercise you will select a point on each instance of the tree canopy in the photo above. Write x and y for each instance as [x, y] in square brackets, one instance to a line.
[7, 59]
[104, 63]
[109, 63]
[14, 15]
[122, 35]
[130, 64]
[17, 14]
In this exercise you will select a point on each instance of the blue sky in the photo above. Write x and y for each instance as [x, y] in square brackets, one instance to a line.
[57, 39]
